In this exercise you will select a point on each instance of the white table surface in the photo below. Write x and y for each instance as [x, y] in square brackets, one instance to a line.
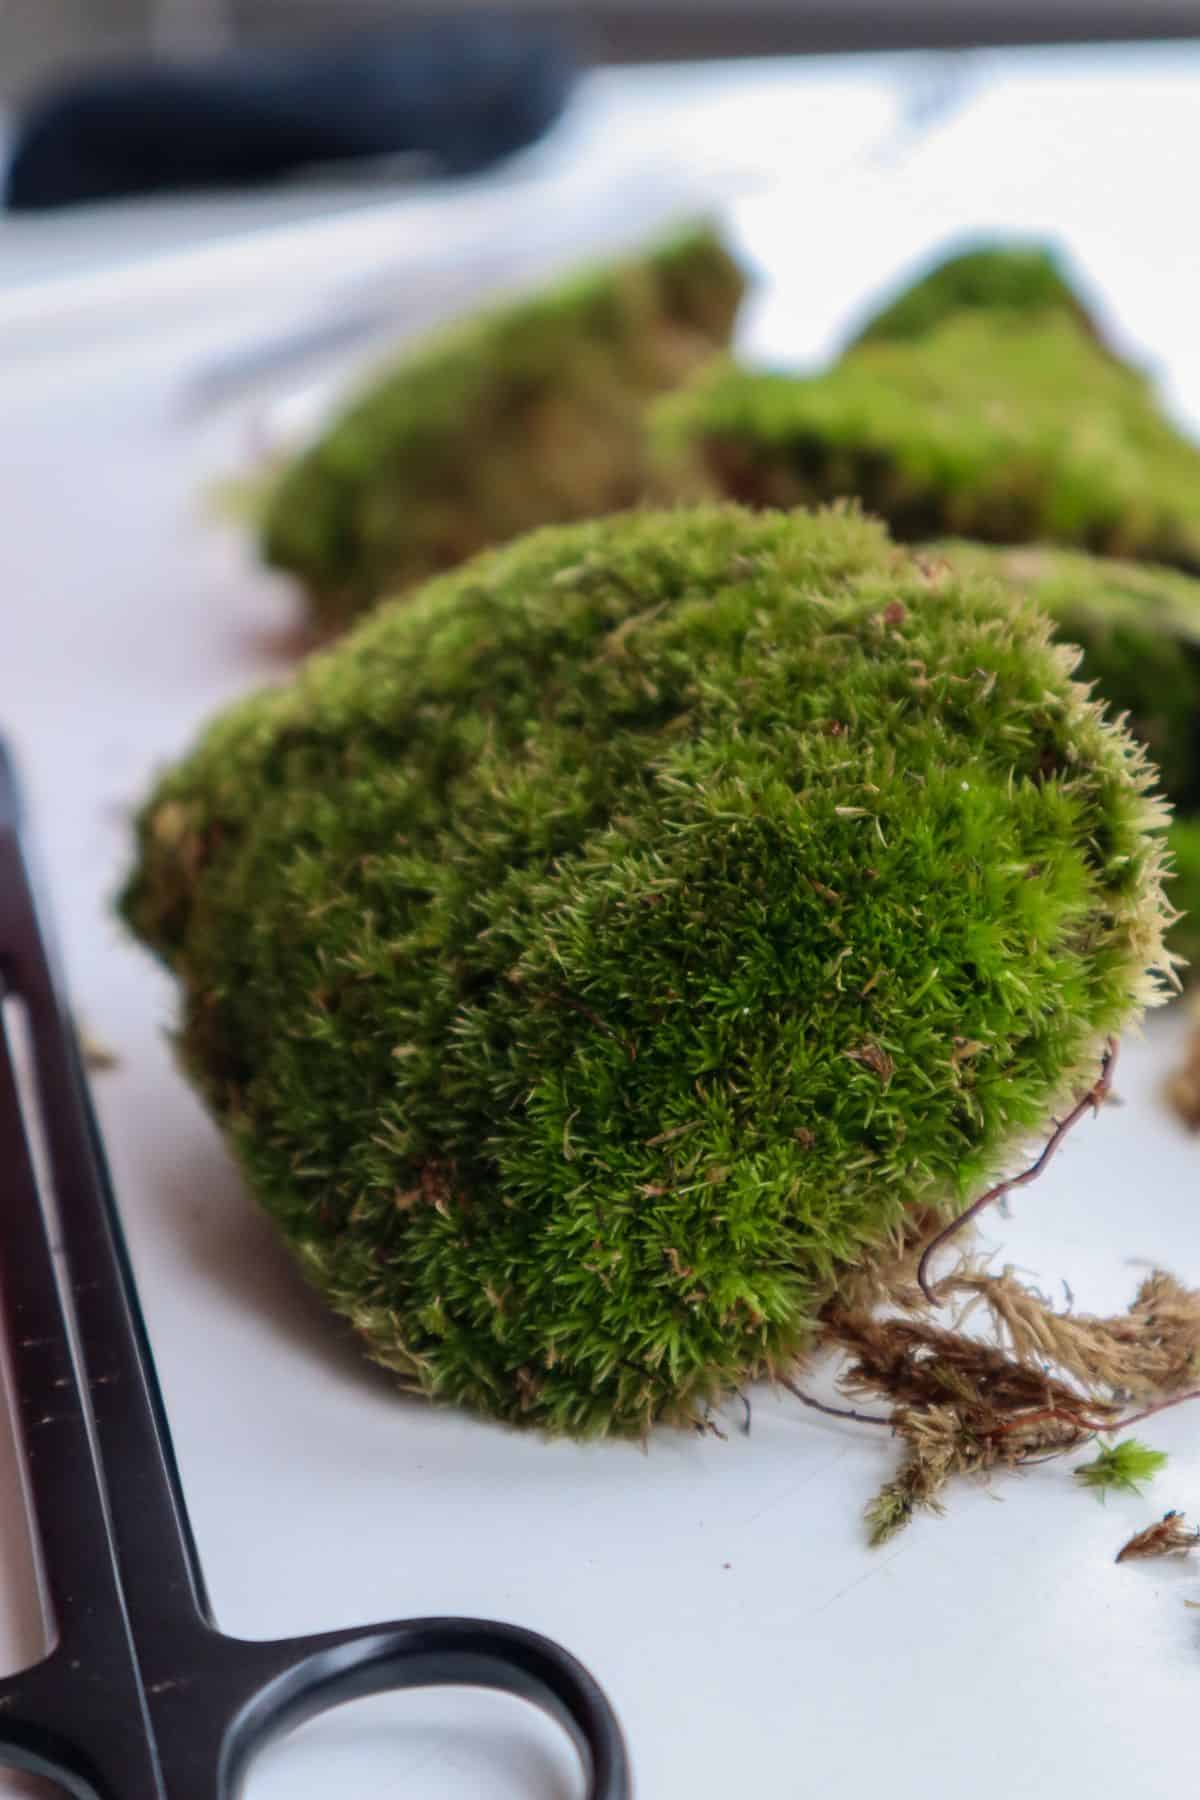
[721, 1591]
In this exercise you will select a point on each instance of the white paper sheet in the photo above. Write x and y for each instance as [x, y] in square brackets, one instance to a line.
[721, 1591]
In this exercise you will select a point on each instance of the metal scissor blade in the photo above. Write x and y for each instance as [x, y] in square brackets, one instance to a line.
[92, 1666]
[137, 1475]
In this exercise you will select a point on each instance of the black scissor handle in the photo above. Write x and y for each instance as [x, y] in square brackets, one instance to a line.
[214, 1703]
[312, 1675]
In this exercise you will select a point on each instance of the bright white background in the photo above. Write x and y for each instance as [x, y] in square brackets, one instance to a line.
[721, 1591]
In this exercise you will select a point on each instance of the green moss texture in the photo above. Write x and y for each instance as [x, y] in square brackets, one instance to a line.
[523, 416]
[595, 956]
[1001, 277]
[994, 426]
[1139, 629]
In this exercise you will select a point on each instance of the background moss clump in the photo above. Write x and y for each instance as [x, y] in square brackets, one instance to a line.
[993, 426]
[1003, 277]
[1139, 629]
[595, 957]
[523, 416]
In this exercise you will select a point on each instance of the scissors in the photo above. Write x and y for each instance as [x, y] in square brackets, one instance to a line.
[141, 1696]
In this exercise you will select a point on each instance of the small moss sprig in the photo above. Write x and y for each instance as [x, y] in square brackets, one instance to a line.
[1122, 1468]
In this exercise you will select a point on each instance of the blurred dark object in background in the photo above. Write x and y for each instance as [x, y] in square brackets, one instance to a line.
[42, 38]
[669, 30]
[463, 93]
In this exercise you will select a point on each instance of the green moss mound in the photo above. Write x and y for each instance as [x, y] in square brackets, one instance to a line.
[997, 277]
[524, 416]
[993, 427]
[1139, 629]
[594, 957]
[1183, 891]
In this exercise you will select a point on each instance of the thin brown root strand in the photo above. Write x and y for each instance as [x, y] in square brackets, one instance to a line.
[1093, 1099]
[1148, 1412]
[1075, 1421]
[831, 1412]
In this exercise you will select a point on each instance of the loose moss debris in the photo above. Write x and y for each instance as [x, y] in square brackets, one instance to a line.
[1039, 1383]
[600, 960]
[1122, 1468]
[526, 415]
[1170, 1536]
[99, 1058]
[997, 426]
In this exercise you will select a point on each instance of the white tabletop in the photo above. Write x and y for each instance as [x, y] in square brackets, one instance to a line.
[721, 1591]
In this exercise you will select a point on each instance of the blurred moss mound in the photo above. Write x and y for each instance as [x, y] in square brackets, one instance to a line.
[1029, 279]
[526, 415]
[995, 425]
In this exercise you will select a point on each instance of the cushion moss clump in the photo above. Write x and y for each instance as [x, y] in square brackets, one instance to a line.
[992, 426]
[522, 416]
[596, 957]
[997, 277]
[1139, 629]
